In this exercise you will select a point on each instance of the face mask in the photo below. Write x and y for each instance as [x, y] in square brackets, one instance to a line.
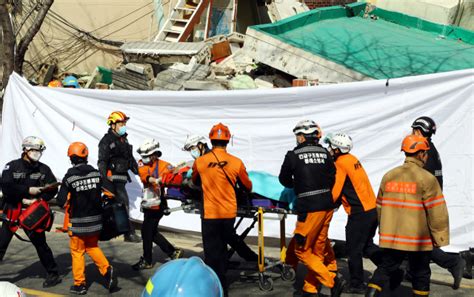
[34, 155]
[146, 160]
[195, 153]
[122, 130]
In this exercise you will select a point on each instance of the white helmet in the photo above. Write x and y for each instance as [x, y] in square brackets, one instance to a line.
[193, 140]
[149, 147]
[307, 127]
[33, 143]
[8, 289]
[339, 140]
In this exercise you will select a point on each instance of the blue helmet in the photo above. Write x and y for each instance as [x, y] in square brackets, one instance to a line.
[184, 277]
[70, 82]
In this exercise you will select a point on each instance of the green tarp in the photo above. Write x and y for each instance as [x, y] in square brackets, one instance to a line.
[383, 45]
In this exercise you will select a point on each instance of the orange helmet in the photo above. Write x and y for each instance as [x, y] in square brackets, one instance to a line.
[219, 132]
[78, 149]
[117, 116]
[413, 143]
[55, 84]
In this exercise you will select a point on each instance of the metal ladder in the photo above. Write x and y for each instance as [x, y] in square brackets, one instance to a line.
[181, 21]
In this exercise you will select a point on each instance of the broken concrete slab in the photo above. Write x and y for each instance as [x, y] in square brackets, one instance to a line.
[162, 52]
[242, 82]
[174, 79]
[203, 85]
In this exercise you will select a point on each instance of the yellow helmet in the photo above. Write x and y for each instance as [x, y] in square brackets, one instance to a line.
[117, 116]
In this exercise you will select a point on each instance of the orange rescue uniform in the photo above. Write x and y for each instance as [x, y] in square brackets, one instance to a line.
[219, 200]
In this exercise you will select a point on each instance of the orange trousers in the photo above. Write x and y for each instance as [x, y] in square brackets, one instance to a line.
[316, 253]
[81, 245]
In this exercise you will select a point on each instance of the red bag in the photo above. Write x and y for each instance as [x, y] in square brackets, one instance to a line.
[37, 217]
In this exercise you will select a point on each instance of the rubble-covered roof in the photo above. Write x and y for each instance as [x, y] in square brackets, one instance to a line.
[380, 44]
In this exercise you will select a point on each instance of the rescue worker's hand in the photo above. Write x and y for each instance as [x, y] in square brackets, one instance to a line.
[28, 201]
[35, 191]
[155, 180]
[110, 178]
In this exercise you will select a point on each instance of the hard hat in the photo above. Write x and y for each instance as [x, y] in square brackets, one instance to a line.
[414, 143]
[117, 116]
[8, 289]
[184, 277]
[33, 143]
[71, 81]
[78, 149]
[340, 140]
[219, 132]
[55, 84]
[149, 147]
[426, 125]
[193, 140]
[307, 127]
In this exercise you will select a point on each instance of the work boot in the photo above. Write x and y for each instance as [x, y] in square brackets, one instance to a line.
[142, 264]
[396, 278]
[178, 253]
[78, 290]
[111, 280]
[457, 272]
[51, 280]
[356, 289]
[372, 292]
[466, 255]
[132, 237]
[339, 285]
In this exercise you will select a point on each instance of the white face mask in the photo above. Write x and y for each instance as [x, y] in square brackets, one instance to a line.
[146, 160]
[34, 155]
[195, 153]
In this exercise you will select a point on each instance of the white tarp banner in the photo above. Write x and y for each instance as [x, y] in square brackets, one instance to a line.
[377, 114]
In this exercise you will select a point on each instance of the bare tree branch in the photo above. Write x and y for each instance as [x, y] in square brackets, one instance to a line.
[8, 42]
[30, 34]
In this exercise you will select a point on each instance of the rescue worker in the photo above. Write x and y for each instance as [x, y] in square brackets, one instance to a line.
[115, 159]
[81, 189]
[23, 182]
[151, 170]
[197, 146]
[219, 172]
[413, 219]
[426, 127]
[353, 189]
[310, 170]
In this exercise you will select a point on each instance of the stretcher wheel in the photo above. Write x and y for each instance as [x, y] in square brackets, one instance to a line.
[288, 273]
[265, 283]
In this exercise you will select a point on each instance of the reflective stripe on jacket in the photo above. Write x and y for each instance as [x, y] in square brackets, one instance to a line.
[412, 212]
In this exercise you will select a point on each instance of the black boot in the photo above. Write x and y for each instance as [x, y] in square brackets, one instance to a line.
[372, 292]
[339, 285]
[51, 280]
[111, 280]
[132, 237]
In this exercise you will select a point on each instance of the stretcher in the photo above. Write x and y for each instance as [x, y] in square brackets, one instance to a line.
[256, 212]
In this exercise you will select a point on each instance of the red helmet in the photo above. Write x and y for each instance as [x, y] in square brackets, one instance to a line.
[219, 132]
[413, 143]
[78, 149]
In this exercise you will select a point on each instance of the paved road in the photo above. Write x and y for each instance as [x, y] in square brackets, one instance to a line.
[21, 266]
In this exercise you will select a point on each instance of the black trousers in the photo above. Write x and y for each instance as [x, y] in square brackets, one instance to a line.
[216, 235]
[122, 196]
[419, 263]
[151, 234]
[360, 231]
[38, 239]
